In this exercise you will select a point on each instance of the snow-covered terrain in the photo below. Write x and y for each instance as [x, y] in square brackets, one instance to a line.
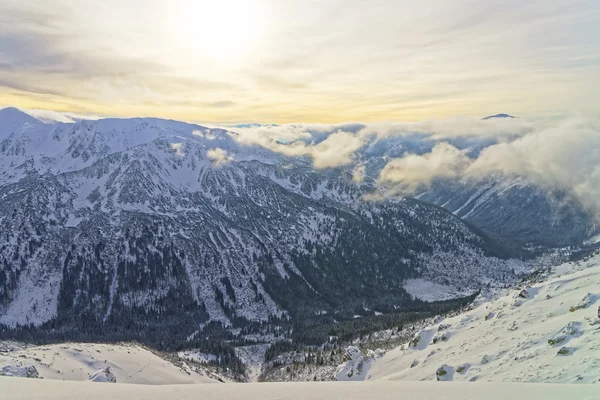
[102, 219]
[13, 389]
[547, 332]
[128, 363]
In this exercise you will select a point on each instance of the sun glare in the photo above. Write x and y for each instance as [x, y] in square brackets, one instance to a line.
[221, 30]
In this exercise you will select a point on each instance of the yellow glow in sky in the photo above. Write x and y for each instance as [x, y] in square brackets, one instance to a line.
[301, 61]
[224, 31]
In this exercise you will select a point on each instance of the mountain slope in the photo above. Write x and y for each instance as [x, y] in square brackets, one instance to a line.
[160, 229]
[546, 332]
[516, 210]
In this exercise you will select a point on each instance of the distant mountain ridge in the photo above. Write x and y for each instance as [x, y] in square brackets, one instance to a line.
[499, 116]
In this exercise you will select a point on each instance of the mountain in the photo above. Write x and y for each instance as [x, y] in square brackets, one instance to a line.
[510, 208]
[515, 210]
[543, 332]
[159, 230]
[499, 116]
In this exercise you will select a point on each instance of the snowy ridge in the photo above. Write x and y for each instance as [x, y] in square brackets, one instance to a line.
[126, 363]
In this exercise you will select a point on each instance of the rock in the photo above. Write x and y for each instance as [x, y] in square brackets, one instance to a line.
[572, 329]
[439, 338]
[20, 371]
[444, 373]
[462, 368]
[587, 300]
[414, 342]
[563, 351]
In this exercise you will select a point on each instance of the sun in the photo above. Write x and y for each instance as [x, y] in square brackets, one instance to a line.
[221, 30]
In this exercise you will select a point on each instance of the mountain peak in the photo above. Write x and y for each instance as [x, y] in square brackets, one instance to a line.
[14, 116]
[498, 116]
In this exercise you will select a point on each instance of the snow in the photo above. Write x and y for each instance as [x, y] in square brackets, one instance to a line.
[103, 375]
[20, 371]
[197, 356]
[46, 389]
[357, 366]
[36, 300]
[128, 363]
[425, 290]
[252, 356]
[548, 332]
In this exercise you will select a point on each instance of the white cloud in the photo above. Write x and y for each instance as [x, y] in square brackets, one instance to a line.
[408, 61]
[335, 151]
[454, 127]
[359, 173]
[49, 116]
[563, 154]
[178, 149]
[218, 156]
[206, 133]
[296, 140]
[412, 171]
[335, 145]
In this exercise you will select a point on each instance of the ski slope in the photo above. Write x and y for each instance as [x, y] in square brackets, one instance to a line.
[548, 332]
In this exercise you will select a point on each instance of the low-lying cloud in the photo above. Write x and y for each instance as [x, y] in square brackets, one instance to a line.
[218, 156]
[178, 149]
[564, 155]
[557, 154]
[336, 145]
[413, 171]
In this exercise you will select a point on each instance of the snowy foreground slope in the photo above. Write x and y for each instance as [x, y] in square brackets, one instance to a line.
[547, 332]
[79, 361]
[21, 388]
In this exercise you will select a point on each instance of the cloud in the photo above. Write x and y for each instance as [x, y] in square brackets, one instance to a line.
[206, 134]
[178, 149]
[335, 151]
[335, 145]
[218, 156]
[48, 116]
[408, 62]
[359, 173]
[413, 171]
[454, 127]
[222, 104]
[564, 155]
[556, 155]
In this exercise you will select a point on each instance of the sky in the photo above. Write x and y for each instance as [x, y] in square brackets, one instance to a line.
[288, 61]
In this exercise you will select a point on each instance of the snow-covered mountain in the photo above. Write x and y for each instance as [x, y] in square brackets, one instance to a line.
[515, 210]
[511, 208]
[539, 332]
[149, 222]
